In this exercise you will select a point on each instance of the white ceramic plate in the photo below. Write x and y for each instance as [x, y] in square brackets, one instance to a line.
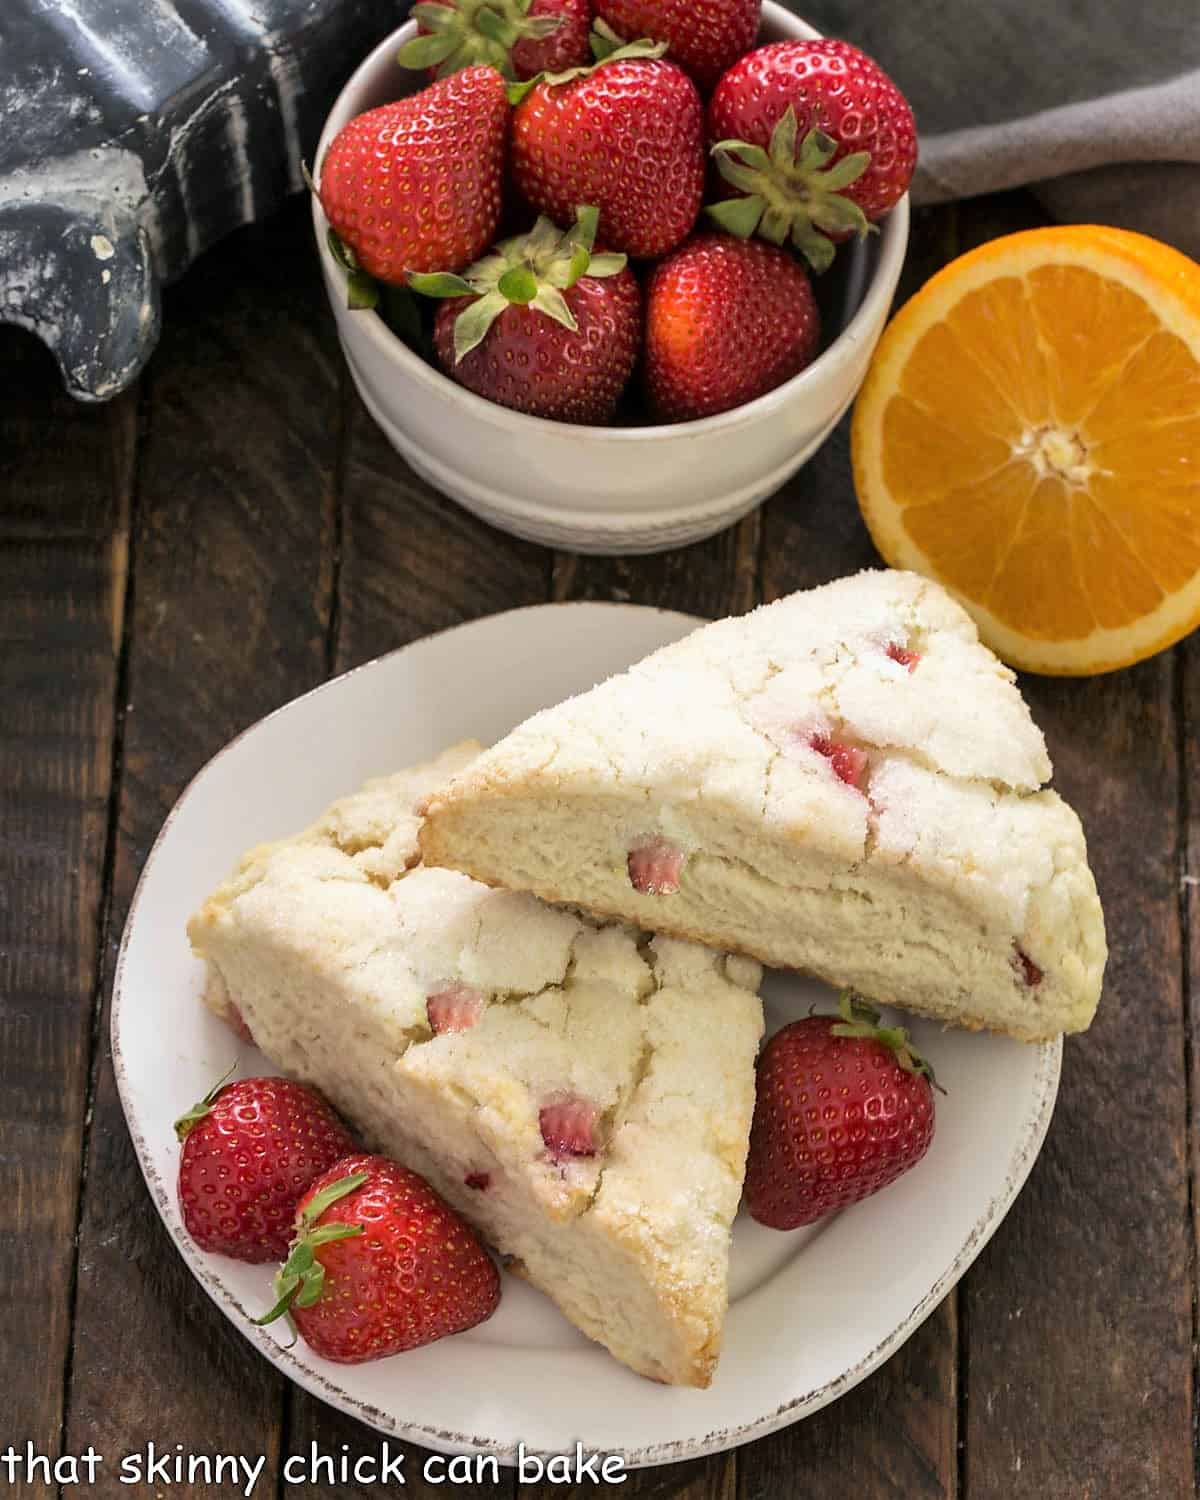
[812, 1312]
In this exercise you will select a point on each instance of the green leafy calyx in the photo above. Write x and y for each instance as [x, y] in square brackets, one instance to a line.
[300, 1281]
[362, 291]
[467, 33]
[186, 1123]
[607, 47]
[530, 270]
[862, 1021]
[791, 191]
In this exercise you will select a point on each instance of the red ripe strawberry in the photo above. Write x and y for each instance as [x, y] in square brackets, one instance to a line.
[416, 184]
[250, 1149]
[626, 136]
[380, 1264]
[818, 141]
[844, 1106]
[726, 320]
[542, 324]
[705, 37]
[521, 38]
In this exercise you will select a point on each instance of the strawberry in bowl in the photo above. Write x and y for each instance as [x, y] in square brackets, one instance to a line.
[542, 325]
[519, 38]
[627, 136]
[814, 142]
[469, 363]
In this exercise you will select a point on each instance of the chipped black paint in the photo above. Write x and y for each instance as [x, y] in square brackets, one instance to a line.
[139, 132]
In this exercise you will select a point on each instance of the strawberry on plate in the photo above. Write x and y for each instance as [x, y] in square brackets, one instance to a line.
[705, 37]
[726, 321]
[543, 324]
[380, 1264]
[844, 1107]
[627, 136]
[520, 38]
[250, 1149]
[416, 185]
[814, 141]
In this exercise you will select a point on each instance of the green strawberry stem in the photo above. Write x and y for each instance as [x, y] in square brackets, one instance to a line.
[187, 1123]
[790, 190]
[604, 41]
[362, 292]
[467, 33]
[530, 270]
[300, 1281]
[607, 47]
[861, 1021]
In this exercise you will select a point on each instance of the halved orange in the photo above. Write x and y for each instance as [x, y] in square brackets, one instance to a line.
[1029, 435]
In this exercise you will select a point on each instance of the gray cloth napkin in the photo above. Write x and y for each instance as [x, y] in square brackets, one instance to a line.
[1094, 103]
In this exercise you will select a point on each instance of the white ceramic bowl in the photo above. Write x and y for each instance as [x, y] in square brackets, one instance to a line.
[605, 489]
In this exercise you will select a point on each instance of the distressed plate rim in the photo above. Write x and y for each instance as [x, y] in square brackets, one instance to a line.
[296, 1364]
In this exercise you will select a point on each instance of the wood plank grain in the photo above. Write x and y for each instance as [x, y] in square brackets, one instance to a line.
[412, 562]
[1103, 1407]
[1187, 663]
[64, 516]
[231, 595]
[711, 578]
[1079, 1368]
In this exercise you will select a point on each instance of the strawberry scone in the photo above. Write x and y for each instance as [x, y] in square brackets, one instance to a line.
[845, 782]
[581, 1093]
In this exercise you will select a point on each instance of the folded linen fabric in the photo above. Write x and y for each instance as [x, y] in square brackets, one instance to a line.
[1096, 108]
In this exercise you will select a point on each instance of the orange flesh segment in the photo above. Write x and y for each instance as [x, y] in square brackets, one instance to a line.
[1098, 525]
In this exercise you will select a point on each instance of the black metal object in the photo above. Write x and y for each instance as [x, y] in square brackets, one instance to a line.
[134, 134]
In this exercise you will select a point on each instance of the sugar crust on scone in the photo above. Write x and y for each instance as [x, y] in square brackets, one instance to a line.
[331, 944]
[949, 882]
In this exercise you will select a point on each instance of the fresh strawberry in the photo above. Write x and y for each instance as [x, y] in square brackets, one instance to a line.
[655, 866]
[626, 136]
[416, 185]
[520, 38]
[379, 1264]
[815, 142]
[568, 1126]
[454, 1007]
[726, 320]
[705, 37]
[844, 1106]
[250, 1149]
[542, 325]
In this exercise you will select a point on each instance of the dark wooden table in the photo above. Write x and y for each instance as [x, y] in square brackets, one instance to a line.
[177, 564]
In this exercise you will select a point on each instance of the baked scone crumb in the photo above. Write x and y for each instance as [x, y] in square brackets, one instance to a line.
[580, 1092]
[845, 781]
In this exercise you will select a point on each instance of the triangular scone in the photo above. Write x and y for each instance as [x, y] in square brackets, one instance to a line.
[845, 782]
[590, 1117]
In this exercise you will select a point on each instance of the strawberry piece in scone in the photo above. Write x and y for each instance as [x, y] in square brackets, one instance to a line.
[457, 1007]
[655, 866]
[553, 1077]
[846, 810]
